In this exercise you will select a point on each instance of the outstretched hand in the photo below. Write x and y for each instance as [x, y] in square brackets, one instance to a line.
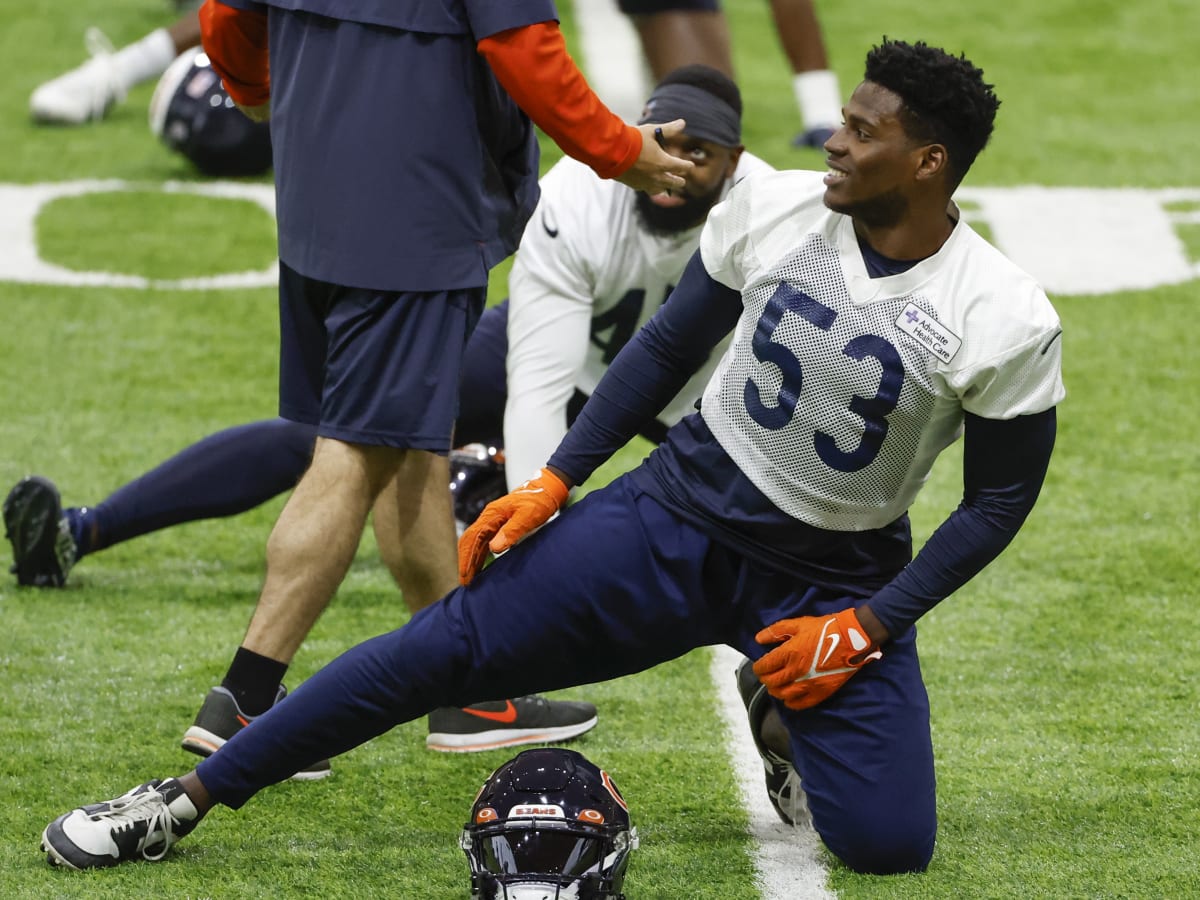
[505, 521]
[656, 170]
[818, 655]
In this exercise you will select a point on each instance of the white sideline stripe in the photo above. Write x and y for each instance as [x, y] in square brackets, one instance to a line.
[606, 35]
[787, 860]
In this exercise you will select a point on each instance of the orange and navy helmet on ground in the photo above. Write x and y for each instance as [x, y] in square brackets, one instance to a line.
[192, 113]
[548, 825]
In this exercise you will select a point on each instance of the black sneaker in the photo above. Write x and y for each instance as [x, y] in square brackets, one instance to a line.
[220, 718]
[508, 723]
[42, 547]
[140, 824]
[783, 783]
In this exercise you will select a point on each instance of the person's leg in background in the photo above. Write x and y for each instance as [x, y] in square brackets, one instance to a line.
[815, 85]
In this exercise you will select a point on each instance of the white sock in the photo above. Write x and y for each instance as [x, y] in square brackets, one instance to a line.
[819, 98]
[145, 59]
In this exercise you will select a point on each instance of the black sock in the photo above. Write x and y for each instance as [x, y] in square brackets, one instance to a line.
[254, 681]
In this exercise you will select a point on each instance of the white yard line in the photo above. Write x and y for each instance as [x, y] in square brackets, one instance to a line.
[788, 860]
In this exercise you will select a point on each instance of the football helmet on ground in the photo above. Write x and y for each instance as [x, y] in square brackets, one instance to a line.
[192, 114]
[548, 825]
[476, 479]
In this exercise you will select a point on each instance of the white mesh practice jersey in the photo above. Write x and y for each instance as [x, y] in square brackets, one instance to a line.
[839, 390]
[586, 277]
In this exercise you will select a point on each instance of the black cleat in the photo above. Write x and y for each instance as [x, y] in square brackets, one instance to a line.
[783, 782]
[42, 547]
[140, 824]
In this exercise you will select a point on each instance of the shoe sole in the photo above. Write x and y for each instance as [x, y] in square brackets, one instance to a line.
[204, 743]
[477, 742]
[53, 857]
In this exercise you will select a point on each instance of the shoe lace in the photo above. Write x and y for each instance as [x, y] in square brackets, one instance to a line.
[791, 797]
[101, 49]
[150, 807]
[97, 42]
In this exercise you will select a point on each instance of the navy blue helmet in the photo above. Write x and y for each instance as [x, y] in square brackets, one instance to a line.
[476, 479]
[192, 114]
[548, 825]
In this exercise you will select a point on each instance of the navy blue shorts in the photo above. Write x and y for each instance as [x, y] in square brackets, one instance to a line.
[649, 7]
[373, 367]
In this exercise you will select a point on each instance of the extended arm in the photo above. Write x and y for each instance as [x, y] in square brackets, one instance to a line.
[1004, 465]
[531, 62]
[533, 65]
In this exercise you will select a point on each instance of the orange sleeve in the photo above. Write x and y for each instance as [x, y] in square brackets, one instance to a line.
[236, 43]
[533, 65]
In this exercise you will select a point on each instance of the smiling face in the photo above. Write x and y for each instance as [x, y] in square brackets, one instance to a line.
[875, 167]
[713, 165]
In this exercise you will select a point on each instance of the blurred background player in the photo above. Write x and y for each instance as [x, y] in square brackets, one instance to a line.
[87, 92]
[677, 32]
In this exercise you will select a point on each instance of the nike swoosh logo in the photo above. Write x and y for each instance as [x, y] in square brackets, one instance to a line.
[506, 716]
[553, 232]
[1050, 342]
[834, 640]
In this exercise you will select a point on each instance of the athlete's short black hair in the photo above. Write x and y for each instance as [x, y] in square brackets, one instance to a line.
[945, 97]
[708, 79]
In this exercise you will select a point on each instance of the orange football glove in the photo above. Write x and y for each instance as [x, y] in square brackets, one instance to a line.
[818, 655]
[505, 521]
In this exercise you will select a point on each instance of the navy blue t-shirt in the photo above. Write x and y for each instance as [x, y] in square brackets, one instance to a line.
[400, 162]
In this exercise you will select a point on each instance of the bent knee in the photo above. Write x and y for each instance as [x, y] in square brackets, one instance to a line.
[883, 848]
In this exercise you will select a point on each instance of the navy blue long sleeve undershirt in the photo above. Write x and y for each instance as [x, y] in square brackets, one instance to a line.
[1004, 465]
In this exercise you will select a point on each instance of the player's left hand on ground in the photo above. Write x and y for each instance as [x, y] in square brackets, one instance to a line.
[656, 170]
[816, 656]
[505, 521]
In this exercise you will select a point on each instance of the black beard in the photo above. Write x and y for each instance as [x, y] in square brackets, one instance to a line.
[665, 221]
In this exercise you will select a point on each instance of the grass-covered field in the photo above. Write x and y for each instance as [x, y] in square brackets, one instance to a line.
[1063, 680]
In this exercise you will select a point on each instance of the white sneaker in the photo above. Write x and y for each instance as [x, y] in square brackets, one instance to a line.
[140, 824]
[85, 93]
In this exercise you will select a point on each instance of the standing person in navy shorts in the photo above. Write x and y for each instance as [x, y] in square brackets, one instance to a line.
[871, 327]
[406, 166]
